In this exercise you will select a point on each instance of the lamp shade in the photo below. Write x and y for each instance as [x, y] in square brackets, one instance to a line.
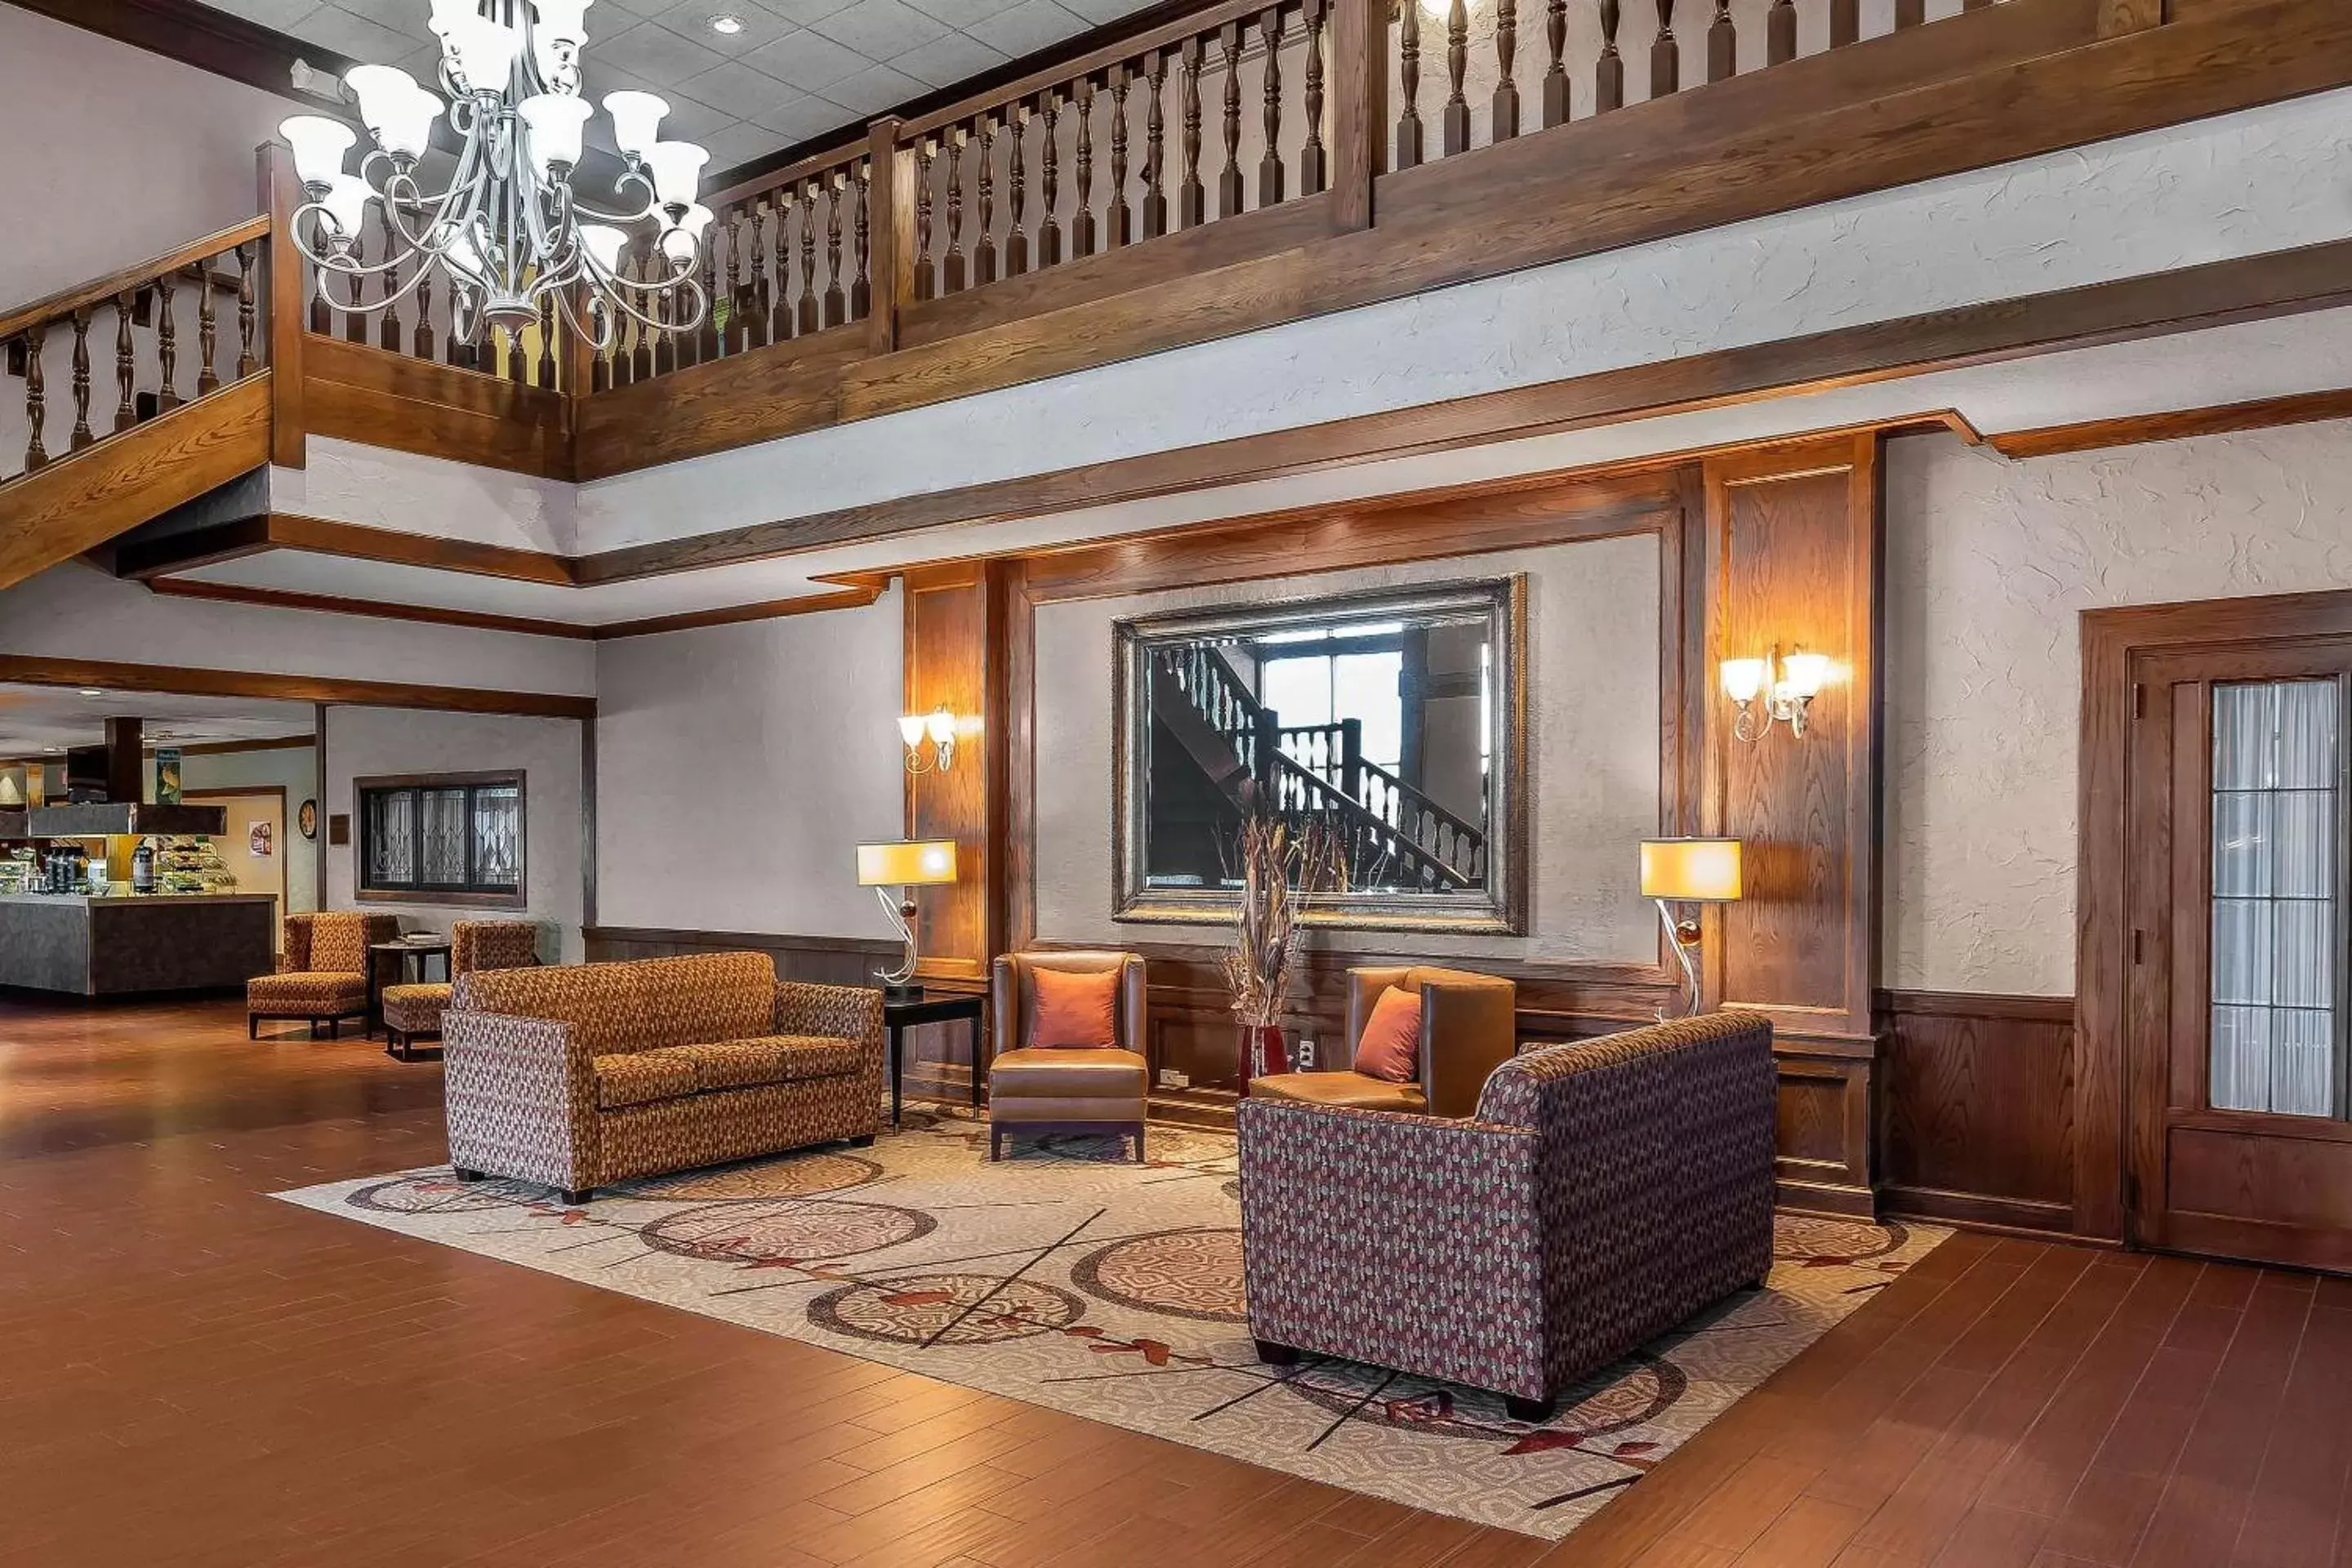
[636, 120]
[1696, 871]
[907, 863]
[319, 146]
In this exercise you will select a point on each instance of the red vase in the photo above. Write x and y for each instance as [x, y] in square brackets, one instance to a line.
[1262, 1051]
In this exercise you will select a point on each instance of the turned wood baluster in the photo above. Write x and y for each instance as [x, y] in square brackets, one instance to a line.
[167, 345]
[836, 298]
[207, 329]
[927, 273]
[1269, 166]
[643, 358]
[955, 271]
[355, 327]
[706, 343]
[82, 436]
[1845, 22]
[421, 341]
[603, 366]
[322, 316]
[809, 320]
[1666, 54]
[752, 305]
[731, 341]
[666, 355]
[1049, 227]
[1155, 148]
[1229, 179]
[1780, 33]
[248, 310]
[1555, 82]
[861, 291]
[1722, 44]
[518, 358]
[983, 250]
[780, 262]
[1119, 223]
[1457, 120]
[37, 396]
[1016, 238]
[1609, 77]
[388, 336]
[1082, 214]
[1408, 135]
[547, 341]
[126, 374]
[1192, 197]
[1314, 165]
[1910, 13]
[615, 364]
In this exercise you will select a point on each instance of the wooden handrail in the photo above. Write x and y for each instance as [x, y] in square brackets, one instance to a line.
[85, 296]
[841, 157]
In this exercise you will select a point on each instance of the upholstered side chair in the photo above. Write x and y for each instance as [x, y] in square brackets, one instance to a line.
[1035, 1089]
[1469, 1026]
[325, 977]
[413, 1013]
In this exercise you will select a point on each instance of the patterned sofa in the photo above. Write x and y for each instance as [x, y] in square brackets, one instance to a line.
[585, 1075]
[412, 1013]
[324, 977]
[1606, 1191]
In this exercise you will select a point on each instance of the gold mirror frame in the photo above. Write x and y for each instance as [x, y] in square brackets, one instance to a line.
[1500, 909]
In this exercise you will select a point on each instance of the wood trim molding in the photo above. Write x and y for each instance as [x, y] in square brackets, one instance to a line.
[211, 40]
[1977, 1005]
[864, 946]
[2296, 408]
[155, 558]
[287, 599]
[34, 669]
[857, 591]
[361, 393]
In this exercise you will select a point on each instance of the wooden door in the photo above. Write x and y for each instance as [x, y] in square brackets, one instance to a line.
[2235, 1007]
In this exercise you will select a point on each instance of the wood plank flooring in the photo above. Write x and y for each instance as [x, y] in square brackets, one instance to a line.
[192, 1374]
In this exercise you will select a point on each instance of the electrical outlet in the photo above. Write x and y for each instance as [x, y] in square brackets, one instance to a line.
[1170, 1078]
[1303, 1058]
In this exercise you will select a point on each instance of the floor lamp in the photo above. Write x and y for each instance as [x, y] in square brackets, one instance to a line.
[904, 864]
[1688, 871]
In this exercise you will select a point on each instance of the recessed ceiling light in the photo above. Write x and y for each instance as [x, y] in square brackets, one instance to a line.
[727, 23]
[53, 748]
[92, 691]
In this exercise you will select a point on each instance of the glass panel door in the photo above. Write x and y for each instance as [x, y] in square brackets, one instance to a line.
[2278, 1018]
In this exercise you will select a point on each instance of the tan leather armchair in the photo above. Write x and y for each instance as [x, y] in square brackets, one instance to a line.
[1035, 1090]
[1469, 1026]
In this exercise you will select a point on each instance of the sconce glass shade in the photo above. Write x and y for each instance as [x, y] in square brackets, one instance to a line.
[1805, 673]
[1743, 679]
[319, 146]
[940, 727]
[636, 120]
[1691, 871]
[910, 729]
[907, 863]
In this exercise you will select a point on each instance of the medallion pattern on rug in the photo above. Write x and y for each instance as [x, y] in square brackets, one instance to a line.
[1071, 1278]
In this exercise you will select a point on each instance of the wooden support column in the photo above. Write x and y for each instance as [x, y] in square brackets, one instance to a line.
[892, 260]
[1360, 115]
[125, 759]
[955, 658]
[281, 193]
[1794, 562]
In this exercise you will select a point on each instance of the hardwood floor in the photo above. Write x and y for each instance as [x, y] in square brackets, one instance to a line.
[194, 1373]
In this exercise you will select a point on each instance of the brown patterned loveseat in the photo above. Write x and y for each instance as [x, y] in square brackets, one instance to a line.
[590, 1074]
[1605, 1192]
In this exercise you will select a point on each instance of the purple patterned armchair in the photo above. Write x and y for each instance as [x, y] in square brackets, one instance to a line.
[1605, 1192]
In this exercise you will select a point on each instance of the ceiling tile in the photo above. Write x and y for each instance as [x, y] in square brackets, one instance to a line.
[807, 60]
[806, 115]
[691, 18]
[737, 89]
[688, 121]
[961, 13]
[807, 11]
[881, 28]
[874, 89]
[1030, 26]
[657, 54]
[368, 42]
[741, 143]
[282, 15]
[638, 7]
[1100, 11]
[948, 60]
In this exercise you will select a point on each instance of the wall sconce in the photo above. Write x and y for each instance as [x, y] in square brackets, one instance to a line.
[938, 727]
[1690, 871]
[1778, 688]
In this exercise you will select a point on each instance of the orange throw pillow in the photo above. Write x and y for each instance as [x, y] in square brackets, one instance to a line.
[1389, 1048]
[1074, 1009]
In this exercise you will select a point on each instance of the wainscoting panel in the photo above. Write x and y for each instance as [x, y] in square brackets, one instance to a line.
[1976, 1100]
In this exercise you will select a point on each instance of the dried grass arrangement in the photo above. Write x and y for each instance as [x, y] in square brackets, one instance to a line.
[1283, 871]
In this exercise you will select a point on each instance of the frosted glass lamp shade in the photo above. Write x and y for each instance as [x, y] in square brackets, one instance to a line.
[1743, 679]
[346, 202]
[1804, 673]
[485, 52]
[448, 15]
[603, 243]
[683, 243]
[554, 121]
[676, 169]
[907, 863]
[465, 256]
[1691, 871]
[910, 729]
[562, 21]
[636, 120]
[940, 727]
[378, 89]
[319, 146]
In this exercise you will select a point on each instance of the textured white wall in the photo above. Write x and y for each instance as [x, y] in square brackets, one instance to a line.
[379, 488]
[2263, 180]
[294, 768]
[1592, 750]
[736, 766]
[74, 611]
[1989, 564]
[368, 742]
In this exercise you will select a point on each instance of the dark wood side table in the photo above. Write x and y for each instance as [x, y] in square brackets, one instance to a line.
[403, 952]
[944, 1008]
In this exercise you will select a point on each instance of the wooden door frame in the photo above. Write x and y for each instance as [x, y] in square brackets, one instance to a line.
[2113, 640]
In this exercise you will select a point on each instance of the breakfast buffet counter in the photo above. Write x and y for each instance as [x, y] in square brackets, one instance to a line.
[127, 945]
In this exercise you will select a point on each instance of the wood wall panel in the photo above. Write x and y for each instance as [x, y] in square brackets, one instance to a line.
[1975, 1114]
[954, 642]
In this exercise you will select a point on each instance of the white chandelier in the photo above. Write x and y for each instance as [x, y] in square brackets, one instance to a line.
[506, 232]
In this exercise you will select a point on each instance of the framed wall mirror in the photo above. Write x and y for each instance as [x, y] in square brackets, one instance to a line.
[1394, 719]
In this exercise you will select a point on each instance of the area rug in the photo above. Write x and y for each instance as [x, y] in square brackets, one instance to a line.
[1070, 1277]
